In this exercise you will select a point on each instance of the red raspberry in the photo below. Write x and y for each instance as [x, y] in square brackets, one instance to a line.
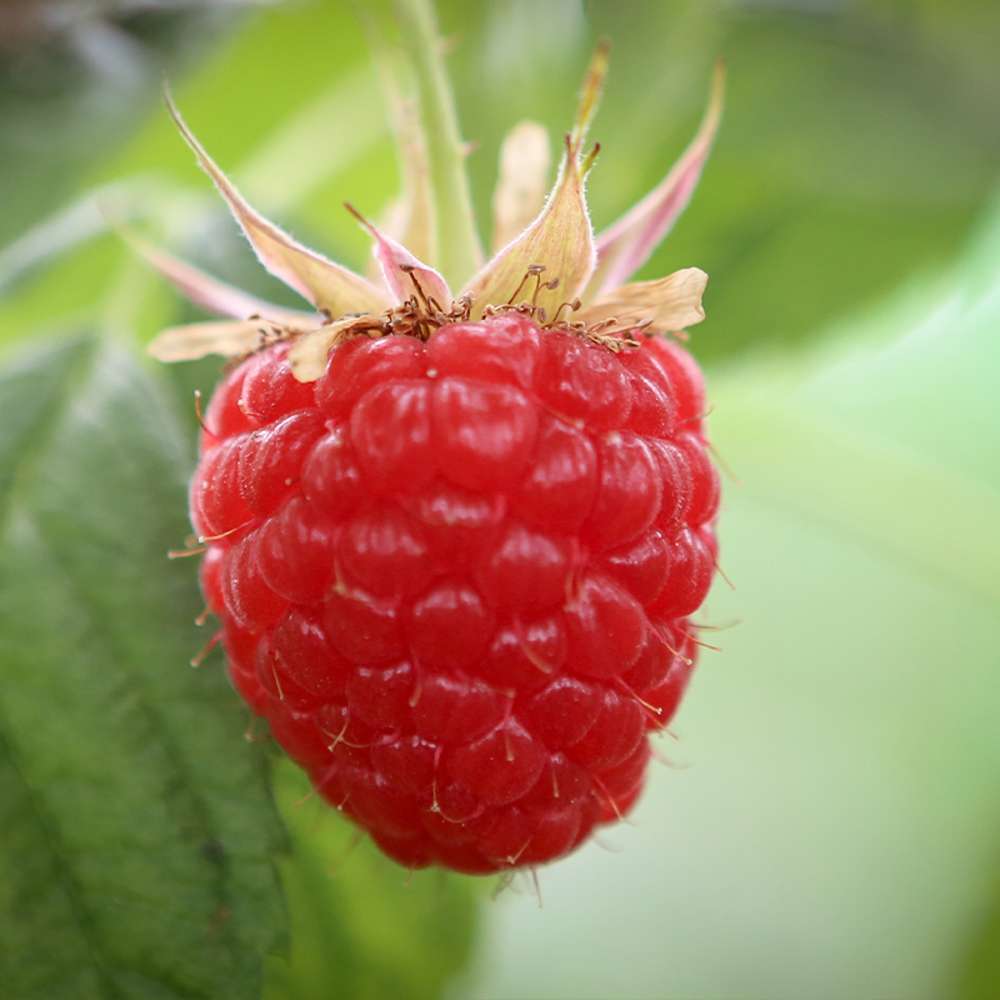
[454, 556]
[455, 575]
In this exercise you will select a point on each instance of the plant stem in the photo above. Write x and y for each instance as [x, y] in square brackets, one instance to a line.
[459, 253]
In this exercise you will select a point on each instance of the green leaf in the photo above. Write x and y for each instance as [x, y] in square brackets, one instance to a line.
[362, 927]
[136, 832]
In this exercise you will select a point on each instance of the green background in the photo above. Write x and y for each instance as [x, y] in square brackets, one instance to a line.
[827, 819]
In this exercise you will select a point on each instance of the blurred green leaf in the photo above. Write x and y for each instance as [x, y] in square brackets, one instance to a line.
[836, 834]
[137, 831]
[980, 977]
[75, 79]
[858, 143]
[362, 927]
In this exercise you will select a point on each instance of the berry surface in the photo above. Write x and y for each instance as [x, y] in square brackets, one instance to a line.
[456, 576]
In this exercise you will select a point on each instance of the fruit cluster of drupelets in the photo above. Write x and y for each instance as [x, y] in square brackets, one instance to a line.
[456, 576]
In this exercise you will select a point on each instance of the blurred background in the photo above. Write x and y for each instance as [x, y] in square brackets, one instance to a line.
[826, 819]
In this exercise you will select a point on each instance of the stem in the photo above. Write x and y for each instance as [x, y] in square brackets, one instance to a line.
[459, 253]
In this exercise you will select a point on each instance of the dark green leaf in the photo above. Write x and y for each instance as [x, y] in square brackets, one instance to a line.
[980, 979]
[136, 830]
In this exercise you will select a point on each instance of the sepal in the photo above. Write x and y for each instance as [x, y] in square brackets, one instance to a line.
[525, 161]
[333, 289]
[404, 275]
[560, 241]
[626, 245]
[229, 338]
[205, 290]
[308, 355]
[667, 305]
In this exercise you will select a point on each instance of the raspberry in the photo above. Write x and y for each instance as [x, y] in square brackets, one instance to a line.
[455, 541]
[454, 576]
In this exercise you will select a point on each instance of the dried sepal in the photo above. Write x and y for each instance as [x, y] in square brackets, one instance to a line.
[333, 289]
[525, 161]
[411, 218]
[229, 338]
[308, 355]
[547, 271]
[405, 275]
[560, 241]
[211, 293]
[666, 305]
[626, 245]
